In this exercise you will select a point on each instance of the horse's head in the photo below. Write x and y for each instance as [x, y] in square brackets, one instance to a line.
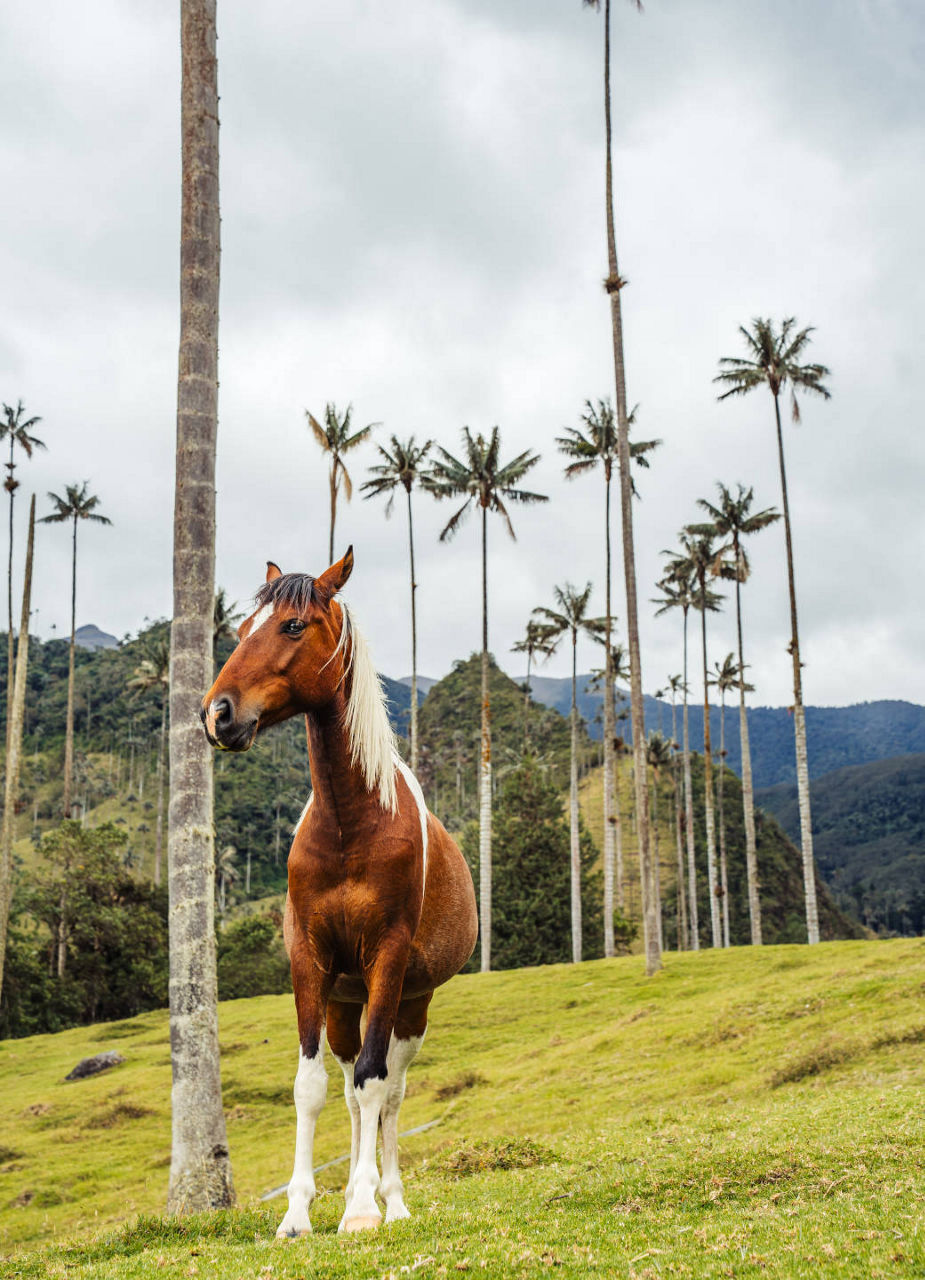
[289, 658]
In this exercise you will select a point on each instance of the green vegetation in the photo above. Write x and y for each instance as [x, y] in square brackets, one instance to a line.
[749, 1113]
[869, 833]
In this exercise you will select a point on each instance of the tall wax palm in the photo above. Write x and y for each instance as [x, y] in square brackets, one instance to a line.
[336, 438]
[700, 553]
[614, 283]
[76, 505]
[773, 361]
[613, 869]
[598, 445]
[658, 757]
[200, 1168]
[733, 520]
[225, 617]
[483, 482]
[153, 672]
[572, 616]
[726, 675]
[538, 640]
[18, 431]
[675, 686]
[403, 466]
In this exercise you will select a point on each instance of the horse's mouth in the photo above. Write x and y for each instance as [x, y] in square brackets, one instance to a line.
[229, 737]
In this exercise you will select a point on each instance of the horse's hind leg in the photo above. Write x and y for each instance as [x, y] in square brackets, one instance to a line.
[407, 1038]
[344, 1041]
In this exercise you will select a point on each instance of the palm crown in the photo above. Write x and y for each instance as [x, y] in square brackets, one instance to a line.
[571, 613]
[77, 504]
[599, 442]
[337, 438]
[732, 519]
[726, 675]
[402, 465]
[539, 638]
[481, 478]
[775, 363]
[18, 431]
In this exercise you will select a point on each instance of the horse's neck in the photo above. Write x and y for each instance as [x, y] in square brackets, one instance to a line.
[338, 784]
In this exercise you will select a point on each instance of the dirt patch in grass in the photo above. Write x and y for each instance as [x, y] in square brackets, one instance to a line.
[484, 1157]
[116, 1115]
[816, 1061]
[468, 1080]
[907, 1035]
[236, 1095]
[7, 1154]
[116, 1031]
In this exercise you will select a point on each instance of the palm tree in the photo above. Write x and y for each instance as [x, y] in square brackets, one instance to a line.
[571, 616]
[16, 706]
[76, 505]
[153, 672]
[226, 873]
[614, 283]
[613, 867]
[700, 554]
[485, 483]
[775, 363]
[200, 1169]
[18, 431]
[727, 675]
[225, 618]
[538, 639]
[658, 755]
[599, 445]
[676, 685]
[403, 466]
[732, 519]
[336, 438]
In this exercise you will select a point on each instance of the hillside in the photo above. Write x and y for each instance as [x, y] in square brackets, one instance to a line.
[752, 1113]
[868, 838]
[836, 736]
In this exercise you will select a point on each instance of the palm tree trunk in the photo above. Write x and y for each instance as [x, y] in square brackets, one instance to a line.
[414, 647]
[723, 873]
[485, 770]
[614, 285]
[333, 511]
[9, 601]
[618, 816]
[574, 845]
[69, 717]
[609, 721]
[159, 829]
[655, 857]
[682, 896]
[799, 717]
[748, 793]
[15, 707]
[689, 813]
[716, 928]
[200, 1169]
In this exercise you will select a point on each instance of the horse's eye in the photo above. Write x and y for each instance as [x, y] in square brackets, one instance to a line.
[293, 627]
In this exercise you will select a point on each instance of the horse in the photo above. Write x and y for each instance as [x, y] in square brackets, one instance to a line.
[380, 908]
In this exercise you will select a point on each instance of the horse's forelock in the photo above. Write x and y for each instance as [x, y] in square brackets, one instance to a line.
[298, 591]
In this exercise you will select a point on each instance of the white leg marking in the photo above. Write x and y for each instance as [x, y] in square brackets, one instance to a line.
[401, 1054]
[309, 1091]
[415, 788]
[353, 1107]
[362, 1210]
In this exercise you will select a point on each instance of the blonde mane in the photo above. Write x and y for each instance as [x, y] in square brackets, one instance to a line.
[366, 720]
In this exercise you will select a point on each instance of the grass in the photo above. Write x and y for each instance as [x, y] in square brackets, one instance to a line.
[748, 1113]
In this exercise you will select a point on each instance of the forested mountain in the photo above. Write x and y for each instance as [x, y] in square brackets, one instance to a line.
[869, 838]
[837, 736]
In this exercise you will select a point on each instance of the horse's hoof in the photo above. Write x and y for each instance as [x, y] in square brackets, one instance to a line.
[292, 1234]
[366, 1222]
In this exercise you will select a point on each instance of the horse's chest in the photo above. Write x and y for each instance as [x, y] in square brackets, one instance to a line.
[343, 886]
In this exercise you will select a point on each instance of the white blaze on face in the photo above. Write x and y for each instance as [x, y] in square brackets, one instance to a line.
[260, 617]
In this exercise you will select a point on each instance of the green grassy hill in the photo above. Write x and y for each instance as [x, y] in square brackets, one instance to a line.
[743, 1113]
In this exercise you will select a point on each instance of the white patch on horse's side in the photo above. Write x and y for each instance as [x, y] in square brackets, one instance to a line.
[303, 815]
[415, 788]
[369, 734]
[260, 617]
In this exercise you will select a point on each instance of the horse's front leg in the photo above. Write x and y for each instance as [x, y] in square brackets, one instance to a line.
[311, 986]
[407, 1038]
[372, 1084]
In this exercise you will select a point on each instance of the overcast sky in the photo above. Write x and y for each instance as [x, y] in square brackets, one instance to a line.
[413, 220]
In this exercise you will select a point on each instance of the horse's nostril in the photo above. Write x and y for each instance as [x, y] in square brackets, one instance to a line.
[223, 711]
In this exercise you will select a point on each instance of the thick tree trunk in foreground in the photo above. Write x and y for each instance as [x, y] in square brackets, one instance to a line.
[799, 717]
[723, 869]
[200, 1169]
[610, 819]
[574, 842]
[689, 814]
[650, 905]
[716, 929]
[15, 706]
[414, 647]
[485, 770]
[69, 716]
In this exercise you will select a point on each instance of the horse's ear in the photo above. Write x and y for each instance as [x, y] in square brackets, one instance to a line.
[333, 579]
[273, 571]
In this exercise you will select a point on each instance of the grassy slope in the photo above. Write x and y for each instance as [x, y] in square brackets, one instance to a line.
[664, 1144]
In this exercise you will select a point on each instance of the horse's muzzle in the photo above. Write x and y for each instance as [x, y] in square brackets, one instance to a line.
[223, 729]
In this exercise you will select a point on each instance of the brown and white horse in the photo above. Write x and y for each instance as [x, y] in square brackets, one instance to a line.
[380, 909]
